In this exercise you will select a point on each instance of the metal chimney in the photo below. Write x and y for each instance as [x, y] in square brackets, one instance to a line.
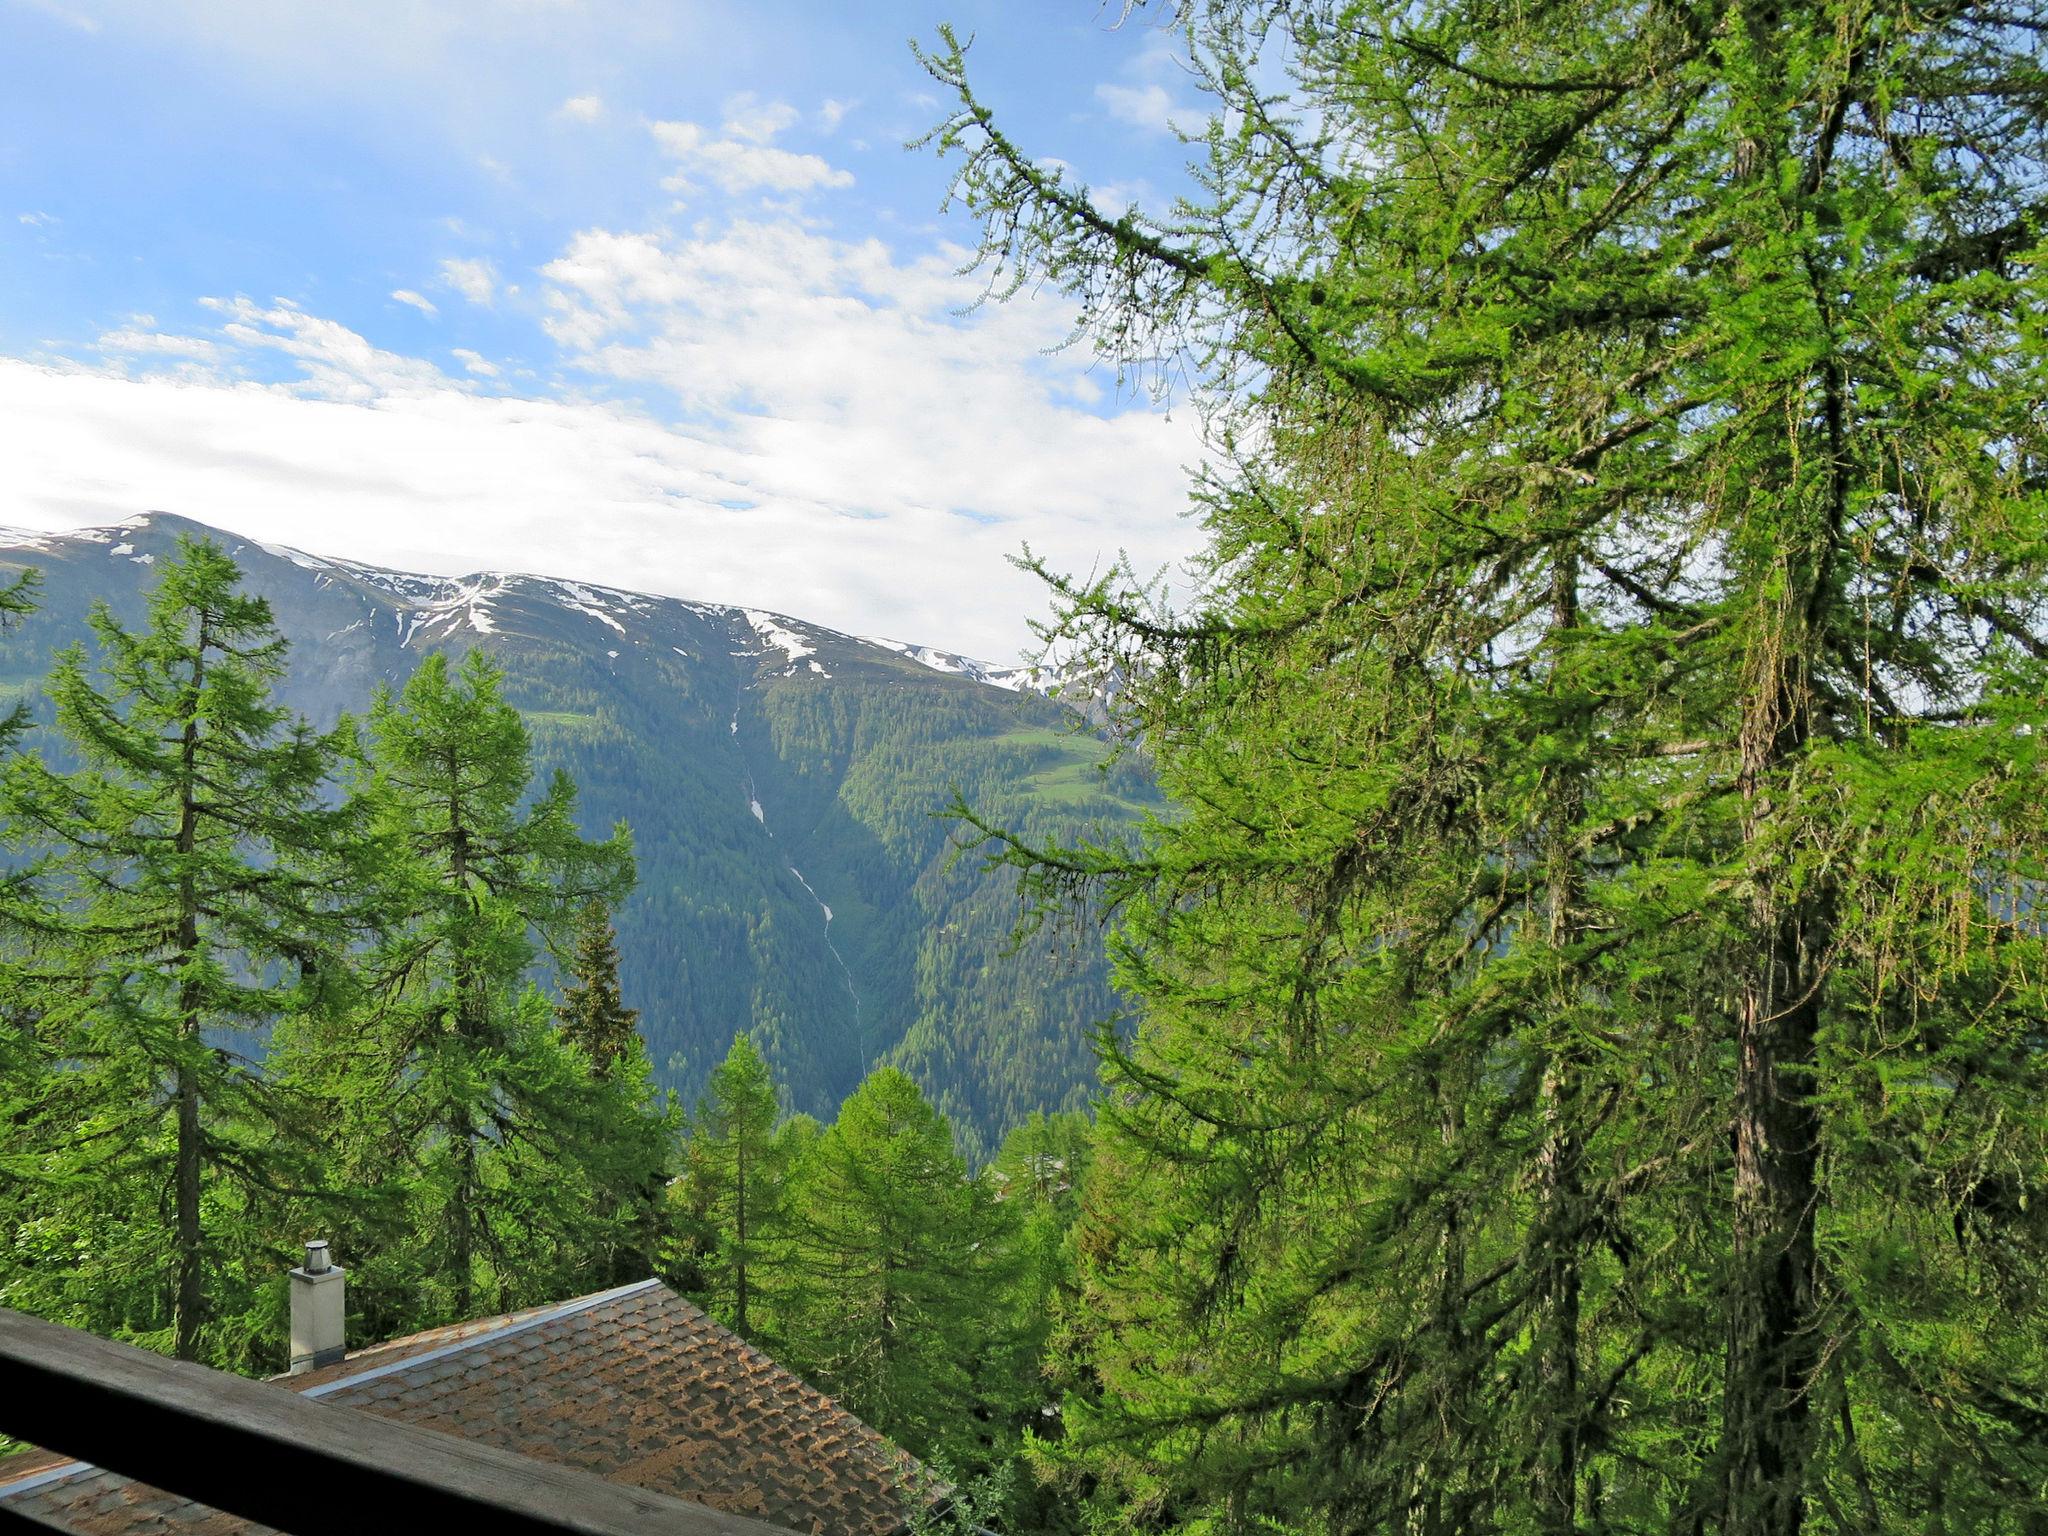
[319, 1311]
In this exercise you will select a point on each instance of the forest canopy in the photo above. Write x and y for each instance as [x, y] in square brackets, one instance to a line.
[1590, 1065]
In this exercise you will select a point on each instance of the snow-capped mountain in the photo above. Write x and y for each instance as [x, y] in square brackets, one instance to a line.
[429, 610]
[782, 780]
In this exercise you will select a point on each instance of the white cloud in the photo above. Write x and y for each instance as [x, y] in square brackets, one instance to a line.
[758, 122]
[39, 219]
[453, 483]
[475, 278]
[851, 448]
[740, 165]
[818, 429]
[136, 341]
[581, 109]
[65, 14]
[844, 377]
[1114, 199]
[334, 362]
[1149, 106]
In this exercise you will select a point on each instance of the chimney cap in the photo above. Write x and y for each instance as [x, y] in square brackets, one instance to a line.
[316, 1256]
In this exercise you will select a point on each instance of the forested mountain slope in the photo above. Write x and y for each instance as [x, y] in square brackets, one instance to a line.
[781, 782]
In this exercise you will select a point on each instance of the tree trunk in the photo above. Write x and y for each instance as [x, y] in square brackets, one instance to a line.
[189, 1306]
[1774, 1345]
[739, 1267]
[1438, 1512]
[1774, 1341]
[461, 1220]
[470, 1031]
[1559, 1192]
[189, 1310]
[1775, 1348]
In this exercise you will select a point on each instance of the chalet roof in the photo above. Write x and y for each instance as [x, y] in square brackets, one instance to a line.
[634, 1384]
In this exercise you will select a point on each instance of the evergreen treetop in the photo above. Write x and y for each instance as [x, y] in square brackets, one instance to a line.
[905, 1265]
[592, 1012]
[189, 895]
[739, 1169]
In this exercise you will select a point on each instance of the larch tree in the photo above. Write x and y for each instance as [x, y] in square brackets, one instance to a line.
[21, 1062]
[187, 895]
[905, 1266]
[1590, 1067]
[738, 1172]
[593, 1017]
[457, 1088]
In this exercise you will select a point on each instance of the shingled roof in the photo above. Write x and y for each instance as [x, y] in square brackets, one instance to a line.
[635, 1385]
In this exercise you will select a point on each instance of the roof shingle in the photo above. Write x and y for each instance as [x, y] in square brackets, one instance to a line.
[635, 1385]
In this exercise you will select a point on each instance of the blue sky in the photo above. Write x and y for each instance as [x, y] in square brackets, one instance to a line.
[643, 293]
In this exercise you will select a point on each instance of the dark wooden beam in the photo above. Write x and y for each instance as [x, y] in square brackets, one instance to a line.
[296, 1464]
[15, 1522]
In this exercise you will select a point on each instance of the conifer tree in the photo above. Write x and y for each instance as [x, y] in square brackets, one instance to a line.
[592, 1012]
[1589, 999]
[1040, 1174]
[188, 896]
[739, 1173]
[20, 1062]
[907, 1265]
[593, 1017]
[521, 1171]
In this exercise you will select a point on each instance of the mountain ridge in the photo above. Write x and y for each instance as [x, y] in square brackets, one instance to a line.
[471, 592]
[783, 780]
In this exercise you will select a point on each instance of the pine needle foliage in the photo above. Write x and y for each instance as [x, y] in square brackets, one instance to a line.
[902, 1270]
[495, 1166]
[738, 1169]
[593, 1012]
[182, 902]
[1590, 1071]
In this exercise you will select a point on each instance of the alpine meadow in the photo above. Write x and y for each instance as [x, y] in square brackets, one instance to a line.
[1507, 997]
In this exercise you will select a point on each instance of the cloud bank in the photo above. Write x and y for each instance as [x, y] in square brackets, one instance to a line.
[745, 407]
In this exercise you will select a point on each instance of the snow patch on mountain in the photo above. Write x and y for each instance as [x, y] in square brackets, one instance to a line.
[1011, 679]
[28, 539]
[298, 557]
[581, 599]
[430, 609]
[780, 637]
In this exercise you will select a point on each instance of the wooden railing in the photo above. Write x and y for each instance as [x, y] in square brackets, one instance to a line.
[300, 1466]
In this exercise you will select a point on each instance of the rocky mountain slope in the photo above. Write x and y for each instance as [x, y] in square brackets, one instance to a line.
[782, 781]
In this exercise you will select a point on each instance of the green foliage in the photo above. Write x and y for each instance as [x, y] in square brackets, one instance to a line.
[493, 1159]
[736, 1171]
[185, 889]
[902, 1268]
[676, 734]
[592, 1014]
[371, 916]
[944, 1504]
[852, 775]
[1589, 1072]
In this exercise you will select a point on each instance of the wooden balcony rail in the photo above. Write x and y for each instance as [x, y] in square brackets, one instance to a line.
[300, 1466]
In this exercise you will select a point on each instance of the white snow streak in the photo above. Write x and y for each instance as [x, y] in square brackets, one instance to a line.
[787, 641]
